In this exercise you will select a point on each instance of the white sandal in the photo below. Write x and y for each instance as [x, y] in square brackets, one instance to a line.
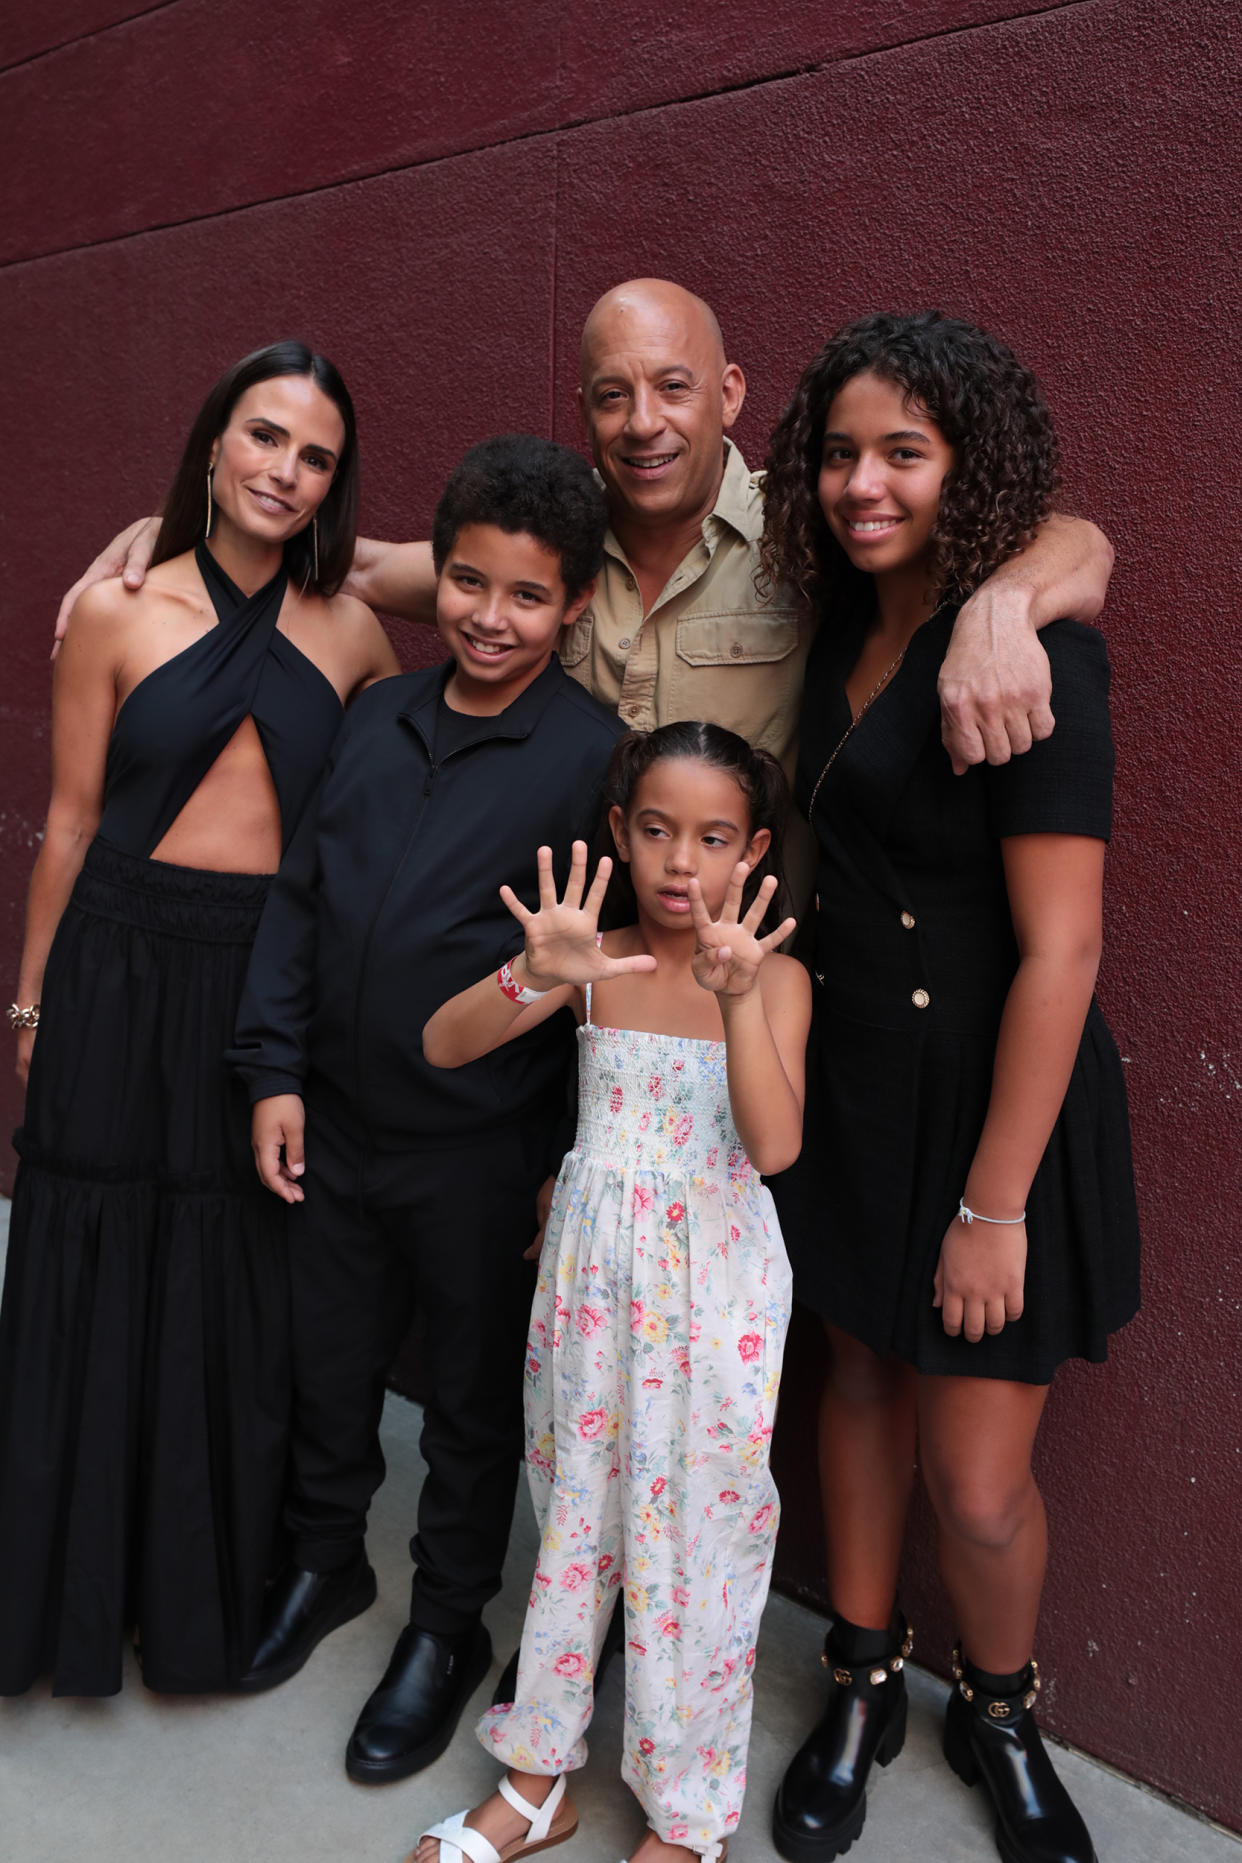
[458, 1840]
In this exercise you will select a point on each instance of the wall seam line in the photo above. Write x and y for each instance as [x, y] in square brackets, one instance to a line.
[162, 6]
[50, 51]
[554, 134]
[953, 32]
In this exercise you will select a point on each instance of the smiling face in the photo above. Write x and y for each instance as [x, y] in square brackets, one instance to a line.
[685, 819]
[274, 463]
[884, 463]
[656, 398]
[500, 608]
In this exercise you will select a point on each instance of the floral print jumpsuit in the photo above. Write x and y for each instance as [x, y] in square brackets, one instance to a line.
[652, 1368]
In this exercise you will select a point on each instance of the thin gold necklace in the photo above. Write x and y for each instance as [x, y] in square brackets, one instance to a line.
[854, 722]
[870, 700]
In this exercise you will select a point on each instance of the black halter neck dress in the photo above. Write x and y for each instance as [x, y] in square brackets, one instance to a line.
[144, 1370]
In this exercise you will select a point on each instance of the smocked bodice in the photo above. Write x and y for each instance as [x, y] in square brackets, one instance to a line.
[658, 1103]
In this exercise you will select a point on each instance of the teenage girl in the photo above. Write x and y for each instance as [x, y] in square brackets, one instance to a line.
[663, 1295]
[963, 1213]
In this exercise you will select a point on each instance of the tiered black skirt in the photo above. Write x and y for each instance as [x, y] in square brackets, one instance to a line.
[144, 1343]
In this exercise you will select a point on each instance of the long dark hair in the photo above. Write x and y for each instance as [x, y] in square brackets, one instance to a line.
[987, 406]
[757, 774]
[184, 518]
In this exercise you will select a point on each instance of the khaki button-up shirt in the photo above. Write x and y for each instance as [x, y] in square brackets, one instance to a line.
[709, 648]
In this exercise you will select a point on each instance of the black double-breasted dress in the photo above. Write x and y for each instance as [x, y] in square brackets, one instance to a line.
[914, 954]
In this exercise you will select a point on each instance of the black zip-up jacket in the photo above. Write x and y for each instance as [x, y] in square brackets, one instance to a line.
[386, 905]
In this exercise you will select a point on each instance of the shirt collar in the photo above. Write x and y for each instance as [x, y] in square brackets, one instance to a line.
[735, 506]
[518, 719]
[735, 502]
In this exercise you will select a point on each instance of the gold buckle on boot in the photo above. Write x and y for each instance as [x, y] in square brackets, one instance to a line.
[881, 1672]
[998, 1708]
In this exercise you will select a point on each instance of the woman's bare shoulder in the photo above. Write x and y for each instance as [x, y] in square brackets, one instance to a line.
[346, 611]
[105, 612]
[355, 624]
[111, 620]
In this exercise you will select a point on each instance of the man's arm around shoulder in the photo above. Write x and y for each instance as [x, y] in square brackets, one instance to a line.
[995, 685]
[397, 578]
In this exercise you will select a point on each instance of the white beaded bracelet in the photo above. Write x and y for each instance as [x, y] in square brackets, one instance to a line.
[1000, 1222]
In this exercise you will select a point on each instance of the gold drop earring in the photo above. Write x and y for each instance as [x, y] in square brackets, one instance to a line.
[207, 532]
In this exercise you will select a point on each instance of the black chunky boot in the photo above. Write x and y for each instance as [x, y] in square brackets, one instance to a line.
[990, 1734]
[821, 1804]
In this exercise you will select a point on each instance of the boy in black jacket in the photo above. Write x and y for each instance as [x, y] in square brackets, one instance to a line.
[415, 1183]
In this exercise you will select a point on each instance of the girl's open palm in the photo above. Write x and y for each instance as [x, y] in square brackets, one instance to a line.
[562, 942]
[728, 951]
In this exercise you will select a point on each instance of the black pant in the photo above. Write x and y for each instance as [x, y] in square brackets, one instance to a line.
[378, 1231]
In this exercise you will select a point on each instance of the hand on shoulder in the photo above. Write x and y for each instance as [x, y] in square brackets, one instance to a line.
[110, 609]
[101, 603]
[100, 621]
[127, 555]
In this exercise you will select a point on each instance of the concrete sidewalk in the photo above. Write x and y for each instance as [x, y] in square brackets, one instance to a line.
[143, 1778]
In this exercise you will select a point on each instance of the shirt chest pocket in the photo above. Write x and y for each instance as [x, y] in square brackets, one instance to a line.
[575, 643]
[736, 639]
[742, 671]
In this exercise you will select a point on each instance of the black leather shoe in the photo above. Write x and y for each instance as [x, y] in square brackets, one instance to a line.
[300, 1609]
[411, 1717]
[614, 1638]
[821, 1804]
[995, 1738]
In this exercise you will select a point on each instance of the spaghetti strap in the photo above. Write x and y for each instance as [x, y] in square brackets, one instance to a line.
[599, 941]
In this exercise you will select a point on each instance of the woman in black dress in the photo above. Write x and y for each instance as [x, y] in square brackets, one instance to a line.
[963, 1215]
[143, 1350]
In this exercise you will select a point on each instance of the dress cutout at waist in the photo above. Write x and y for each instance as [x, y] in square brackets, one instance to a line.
[176, 721]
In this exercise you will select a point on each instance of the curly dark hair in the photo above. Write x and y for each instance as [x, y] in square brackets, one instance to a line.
[521, 483]
[757, 774]
[986, 405]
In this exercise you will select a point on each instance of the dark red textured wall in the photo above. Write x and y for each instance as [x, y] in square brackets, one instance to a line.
[434, 195]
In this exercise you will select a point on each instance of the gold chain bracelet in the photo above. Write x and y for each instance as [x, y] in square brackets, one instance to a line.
[23, 1016]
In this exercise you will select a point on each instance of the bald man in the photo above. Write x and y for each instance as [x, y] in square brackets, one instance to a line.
[676, 628]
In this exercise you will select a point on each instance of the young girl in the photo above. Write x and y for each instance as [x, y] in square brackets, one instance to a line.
[663, 1295]
[963, 1214]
